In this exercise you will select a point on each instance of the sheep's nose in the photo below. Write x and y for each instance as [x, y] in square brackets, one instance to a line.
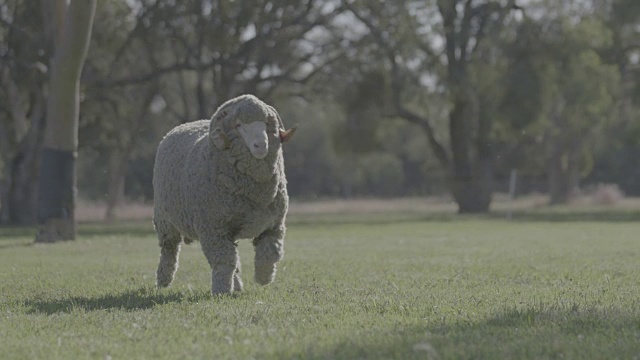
[259, 150]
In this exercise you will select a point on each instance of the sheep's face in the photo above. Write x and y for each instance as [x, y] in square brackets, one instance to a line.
[254, 135]
[257, 123]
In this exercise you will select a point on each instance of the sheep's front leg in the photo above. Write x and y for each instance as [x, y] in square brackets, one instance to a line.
[269, 247]
[222, 256]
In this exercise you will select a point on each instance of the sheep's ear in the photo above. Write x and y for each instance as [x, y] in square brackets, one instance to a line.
[219, 139]
[285, 135]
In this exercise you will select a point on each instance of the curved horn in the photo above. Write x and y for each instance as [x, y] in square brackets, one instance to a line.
[277, 116]
[217, 134]
[287, 134]
[284, 134]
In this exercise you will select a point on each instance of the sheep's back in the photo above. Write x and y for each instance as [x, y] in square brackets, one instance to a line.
[199, 189]
[174, 158]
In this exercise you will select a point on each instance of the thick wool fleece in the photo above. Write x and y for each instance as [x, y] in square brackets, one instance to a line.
[221, 195]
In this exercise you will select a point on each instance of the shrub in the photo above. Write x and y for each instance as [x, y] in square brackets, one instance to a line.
[607, 194]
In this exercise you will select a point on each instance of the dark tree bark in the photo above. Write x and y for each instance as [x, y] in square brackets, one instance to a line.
[57, 182]
[472, 165]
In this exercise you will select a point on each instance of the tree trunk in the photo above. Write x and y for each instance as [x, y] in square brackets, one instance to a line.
[562, 169]
[18, 193]
[57, 182]
[472, 168]
[473, 194]
[115, 187]
[56, 200]
[18, 187]
[563, 178]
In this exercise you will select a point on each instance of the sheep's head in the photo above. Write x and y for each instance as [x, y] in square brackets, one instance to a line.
[253, 120]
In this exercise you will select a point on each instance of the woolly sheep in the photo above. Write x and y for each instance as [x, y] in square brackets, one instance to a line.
[218, 181]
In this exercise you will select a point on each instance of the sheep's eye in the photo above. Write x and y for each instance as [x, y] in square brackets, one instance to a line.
[238, 126]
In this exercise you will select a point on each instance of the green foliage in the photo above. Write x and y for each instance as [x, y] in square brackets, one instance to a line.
[560, 96]
[382, 174]
[309, 156]
[372, 289]
[364, 108]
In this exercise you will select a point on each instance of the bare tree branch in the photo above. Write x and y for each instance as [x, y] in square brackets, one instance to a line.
[397, 84]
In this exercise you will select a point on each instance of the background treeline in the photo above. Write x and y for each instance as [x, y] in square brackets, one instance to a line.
[392, 98]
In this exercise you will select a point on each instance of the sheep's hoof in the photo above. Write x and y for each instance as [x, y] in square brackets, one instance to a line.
[265, 274]
[220, 292]
[164, 281]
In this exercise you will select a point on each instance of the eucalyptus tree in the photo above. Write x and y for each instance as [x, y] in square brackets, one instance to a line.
[57, 179]
[438, 43]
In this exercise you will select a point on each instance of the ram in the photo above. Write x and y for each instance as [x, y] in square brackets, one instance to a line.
[219, 181]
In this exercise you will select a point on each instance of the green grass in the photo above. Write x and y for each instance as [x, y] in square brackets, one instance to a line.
[389, 287]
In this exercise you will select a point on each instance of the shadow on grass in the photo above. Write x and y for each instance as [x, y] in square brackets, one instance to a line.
[139, 299]
[589, 333]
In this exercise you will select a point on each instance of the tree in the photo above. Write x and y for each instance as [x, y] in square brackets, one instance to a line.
[57, 182]
[193, 55]
[567, 93]
[619, 160]
[398, 29]
[23, 72]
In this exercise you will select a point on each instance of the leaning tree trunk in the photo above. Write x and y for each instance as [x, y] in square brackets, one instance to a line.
[57, 182]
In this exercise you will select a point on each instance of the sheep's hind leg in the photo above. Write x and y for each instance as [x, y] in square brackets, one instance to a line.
[222, 256]
[170, 240]
[269, 248]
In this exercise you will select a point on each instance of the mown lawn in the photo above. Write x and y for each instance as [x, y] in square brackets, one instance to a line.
[385, 287]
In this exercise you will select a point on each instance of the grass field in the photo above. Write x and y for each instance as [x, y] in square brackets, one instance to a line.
[373, 286]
